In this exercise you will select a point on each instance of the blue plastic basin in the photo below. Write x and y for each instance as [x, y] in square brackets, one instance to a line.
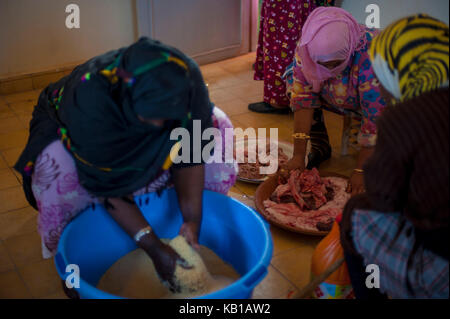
[94, 241]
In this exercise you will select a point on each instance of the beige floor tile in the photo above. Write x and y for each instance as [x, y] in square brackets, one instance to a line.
[236, 123]
[285, 120]
[259, 131]
[13, 139]
[273, 286]
[221, 82]
[11, 155]
[243, 198]
[6, 263]
[12, 198]
[246, 75]
[255, 120]
[221, 95]
[333, 118]
[3, 163]
[18, 222]
[58, 295]
[247, 188]
[23, 96]
[25, 120]
[335, 137]
[245, 90]
[18, 176]
[235, 190]
[254, 98]
[12, 286]
[295, 264]
[238, 64]
[18, 85]
[213, 70]
[340, 164]
[41, 278]
[7, 179]
[234, 107]
[284, 240]
[285, 133]
[250, 57]
[22, 108]
[5, 111]
[10, 124]
[24, 249]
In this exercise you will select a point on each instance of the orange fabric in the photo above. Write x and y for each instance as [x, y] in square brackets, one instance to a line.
[327, 252]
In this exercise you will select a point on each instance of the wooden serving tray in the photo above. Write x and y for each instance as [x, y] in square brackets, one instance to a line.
[266, 189]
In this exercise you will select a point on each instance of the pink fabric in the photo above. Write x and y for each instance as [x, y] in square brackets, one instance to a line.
[327, 47]
[60, 197]
[328, 34]
[356, 89]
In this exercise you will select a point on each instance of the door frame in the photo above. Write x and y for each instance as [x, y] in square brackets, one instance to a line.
[145, 27]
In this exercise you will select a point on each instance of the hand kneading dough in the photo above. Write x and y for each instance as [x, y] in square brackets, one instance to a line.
[134, 276]
[196, 280]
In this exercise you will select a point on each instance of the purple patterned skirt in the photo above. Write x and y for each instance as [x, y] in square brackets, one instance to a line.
[60, 197]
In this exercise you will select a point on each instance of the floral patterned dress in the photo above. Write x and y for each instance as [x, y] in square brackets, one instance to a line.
[356, 90]
[280, 28]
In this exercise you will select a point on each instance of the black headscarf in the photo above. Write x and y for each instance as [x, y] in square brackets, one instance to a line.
[95, 112]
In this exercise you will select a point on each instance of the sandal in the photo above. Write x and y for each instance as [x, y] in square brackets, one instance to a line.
[263, 107]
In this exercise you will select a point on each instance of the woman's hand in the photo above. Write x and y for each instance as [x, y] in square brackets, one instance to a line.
[356, 184]
[296, 162]
[189, 183]
[190, 231]
[166, 259]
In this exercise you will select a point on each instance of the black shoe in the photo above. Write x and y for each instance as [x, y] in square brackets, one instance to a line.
[263, 107]
[317, 157]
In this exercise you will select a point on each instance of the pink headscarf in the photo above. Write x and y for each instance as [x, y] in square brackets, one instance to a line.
[328, 34]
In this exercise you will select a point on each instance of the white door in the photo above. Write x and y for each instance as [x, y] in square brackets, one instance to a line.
[206, 30]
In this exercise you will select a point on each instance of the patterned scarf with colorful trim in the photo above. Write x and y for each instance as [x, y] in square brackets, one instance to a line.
[96, 111]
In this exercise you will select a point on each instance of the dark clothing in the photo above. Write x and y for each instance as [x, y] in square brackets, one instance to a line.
[95, 112]
[408, 173]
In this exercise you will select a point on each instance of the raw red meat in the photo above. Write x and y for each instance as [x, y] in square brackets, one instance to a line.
[307, 200]
[251, 170]
[307, 189]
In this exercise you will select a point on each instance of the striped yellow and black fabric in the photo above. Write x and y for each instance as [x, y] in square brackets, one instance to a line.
[411, 56]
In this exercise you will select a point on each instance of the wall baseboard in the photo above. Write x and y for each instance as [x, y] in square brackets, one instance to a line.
[32, 81]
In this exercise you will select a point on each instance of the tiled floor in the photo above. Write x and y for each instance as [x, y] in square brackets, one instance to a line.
[23, 271]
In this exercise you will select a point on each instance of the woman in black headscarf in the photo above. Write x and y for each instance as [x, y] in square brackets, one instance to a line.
[103, 134]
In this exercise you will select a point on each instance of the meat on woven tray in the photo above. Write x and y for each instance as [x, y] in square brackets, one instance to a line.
[308, 201]
[252, 170]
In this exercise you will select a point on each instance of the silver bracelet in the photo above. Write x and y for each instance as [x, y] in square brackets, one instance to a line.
[144, 231]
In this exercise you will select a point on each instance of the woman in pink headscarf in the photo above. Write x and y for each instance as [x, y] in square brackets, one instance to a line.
[332, 68]
[280, 25]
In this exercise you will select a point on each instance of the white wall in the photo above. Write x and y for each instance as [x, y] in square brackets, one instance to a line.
[33, 35]
[392, 10]
[34, 38]
[206, 30]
